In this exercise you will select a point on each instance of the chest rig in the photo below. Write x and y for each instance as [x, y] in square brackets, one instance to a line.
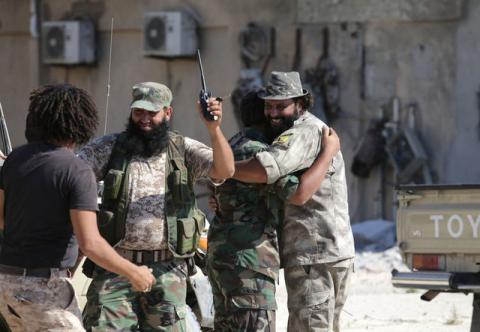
[184, 220]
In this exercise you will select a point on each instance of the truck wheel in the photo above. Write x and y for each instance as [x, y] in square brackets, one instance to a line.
[475, 326]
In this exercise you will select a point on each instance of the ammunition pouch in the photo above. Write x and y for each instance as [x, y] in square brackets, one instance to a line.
[112, 185]
[188, 233]
[111, 224]
[106, 225]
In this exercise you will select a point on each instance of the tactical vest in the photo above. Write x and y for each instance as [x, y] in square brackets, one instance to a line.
[183, 219]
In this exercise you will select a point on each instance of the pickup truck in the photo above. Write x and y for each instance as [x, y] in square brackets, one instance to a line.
[438, 229]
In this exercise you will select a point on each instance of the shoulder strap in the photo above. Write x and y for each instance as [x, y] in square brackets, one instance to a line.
[176, 147]
[119, 160]
[176, 164]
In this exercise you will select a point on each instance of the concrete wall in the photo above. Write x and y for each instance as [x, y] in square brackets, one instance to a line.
[416, 63]
[218, 30]
[462, 159]
[425, 52]
[18, 64]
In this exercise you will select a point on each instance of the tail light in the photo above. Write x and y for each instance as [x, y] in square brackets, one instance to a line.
[428, 262]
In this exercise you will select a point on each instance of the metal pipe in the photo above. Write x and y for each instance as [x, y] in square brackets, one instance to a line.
[468, 287]
[426, 280]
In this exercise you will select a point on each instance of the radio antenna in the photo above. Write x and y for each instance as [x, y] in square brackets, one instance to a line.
[108, 81]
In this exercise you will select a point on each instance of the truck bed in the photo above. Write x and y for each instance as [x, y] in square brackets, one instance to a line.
[443, 219]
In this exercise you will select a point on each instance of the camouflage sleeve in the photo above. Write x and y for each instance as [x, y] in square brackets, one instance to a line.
[198, 158]
[97, 153]
[295, 149]
[248, 150]
[285, 187]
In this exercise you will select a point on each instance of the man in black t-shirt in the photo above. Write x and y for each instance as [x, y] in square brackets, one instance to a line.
[48, 205]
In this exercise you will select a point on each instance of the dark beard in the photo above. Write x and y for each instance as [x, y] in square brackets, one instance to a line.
[146, 143]
[272, 132]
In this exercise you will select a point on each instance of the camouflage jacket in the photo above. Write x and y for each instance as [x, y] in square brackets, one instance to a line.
[318, 231]
[243, 232]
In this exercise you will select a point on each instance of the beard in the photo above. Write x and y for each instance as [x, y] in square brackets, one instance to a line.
[273, 131]
[146, 143]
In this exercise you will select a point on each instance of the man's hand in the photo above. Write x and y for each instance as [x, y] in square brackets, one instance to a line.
[330, 141]
[215, 109]
[142, 279]
[223, 165]
[213, 203]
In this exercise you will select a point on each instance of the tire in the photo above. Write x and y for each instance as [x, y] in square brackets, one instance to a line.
[3, 325]
[475, 324]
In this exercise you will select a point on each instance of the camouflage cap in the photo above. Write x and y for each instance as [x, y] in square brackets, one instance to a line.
[283, 85]
[151, 96]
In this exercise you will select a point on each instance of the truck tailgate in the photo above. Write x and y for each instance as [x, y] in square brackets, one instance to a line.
[439, 219]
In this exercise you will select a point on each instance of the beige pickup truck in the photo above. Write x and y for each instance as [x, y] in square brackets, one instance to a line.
[438, 233]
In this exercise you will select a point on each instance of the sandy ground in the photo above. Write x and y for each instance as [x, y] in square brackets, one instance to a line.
[375, 305]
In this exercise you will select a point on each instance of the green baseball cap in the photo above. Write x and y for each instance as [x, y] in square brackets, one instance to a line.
[151, 96]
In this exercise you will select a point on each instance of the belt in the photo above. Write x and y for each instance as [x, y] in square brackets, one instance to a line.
[145, 256]
[39, 272]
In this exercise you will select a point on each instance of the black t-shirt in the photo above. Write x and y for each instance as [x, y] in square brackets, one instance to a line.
[42, 182]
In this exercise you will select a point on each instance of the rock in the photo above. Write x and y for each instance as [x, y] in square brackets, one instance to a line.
[374, 235]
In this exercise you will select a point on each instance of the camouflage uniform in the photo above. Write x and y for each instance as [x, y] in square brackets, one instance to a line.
[316, 242]
[111, 304]
[39, 304]
[243, 258]
[114, 306]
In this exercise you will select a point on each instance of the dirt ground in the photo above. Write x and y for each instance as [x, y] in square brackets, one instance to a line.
[374, 305]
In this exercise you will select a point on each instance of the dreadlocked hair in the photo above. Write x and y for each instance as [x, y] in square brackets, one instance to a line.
[61, 113]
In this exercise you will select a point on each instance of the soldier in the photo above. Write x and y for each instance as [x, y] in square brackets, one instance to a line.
[46, 196]
[149, 210]
[316, 243]
[243, 259]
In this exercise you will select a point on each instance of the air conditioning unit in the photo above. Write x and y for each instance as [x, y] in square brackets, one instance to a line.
[68, 42]
[169, 34]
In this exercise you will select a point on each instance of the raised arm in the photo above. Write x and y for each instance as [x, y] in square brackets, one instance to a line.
[223, 165]
[312, 178]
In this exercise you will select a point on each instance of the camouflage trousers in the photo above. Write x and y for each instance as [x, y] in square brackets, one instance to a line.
[112, 305]
[316, 295]
[244, 300]
[39, 304]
